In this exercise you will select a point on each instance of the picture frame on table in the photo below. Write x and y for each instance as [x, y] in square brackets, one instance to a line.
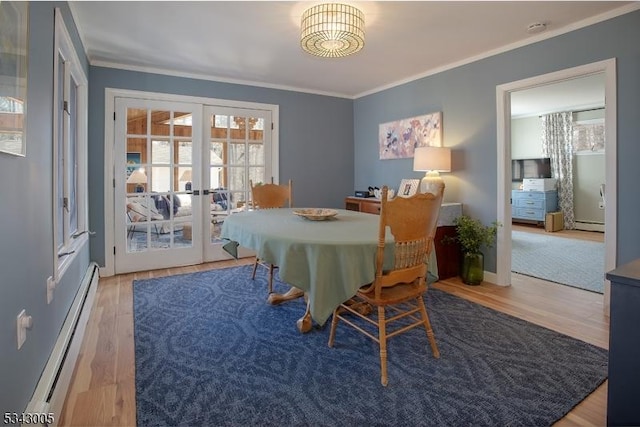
[408, 187]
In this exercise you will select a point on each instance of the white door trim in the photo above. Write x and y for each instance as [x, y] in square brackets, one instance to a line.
[503, 110]
[109, 140]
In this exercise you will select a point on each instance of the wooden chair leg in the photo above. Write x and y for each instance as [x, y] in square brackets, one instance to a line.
[334, 325]
[382, 332]
[427, 327]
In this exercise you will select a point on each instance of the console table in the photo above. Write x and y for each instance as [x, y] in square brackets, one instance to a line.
[448, 251]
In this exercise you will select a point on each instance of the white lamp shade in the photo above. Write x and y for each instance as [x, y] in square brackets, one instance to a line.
[186, 175]
[432, 159]
[137, 177]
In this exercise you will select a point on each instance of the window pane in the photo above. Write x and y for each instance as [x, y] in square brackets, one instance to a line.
[182, 124]
[160, 179]
[256, 154]
[236, 154]
[60, 150]
[256, 174]
[219, 127]
[236, 179]
[73, 159]
[160, 152]
[216, 178]
[216, 153]
[185, 152]
[160, 122]
[136, 121]
[185, 179]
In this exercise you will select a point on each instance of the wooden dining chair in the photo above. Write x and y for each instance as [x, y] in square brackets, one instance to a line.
[269, 196]
[397, 291]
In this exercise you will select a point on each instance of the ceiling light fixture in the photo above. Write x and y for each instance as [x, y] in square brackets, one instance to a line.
[332, 30]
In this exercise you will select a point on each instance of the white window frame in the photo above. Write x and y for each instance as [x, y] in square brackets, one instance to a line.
[65, 251]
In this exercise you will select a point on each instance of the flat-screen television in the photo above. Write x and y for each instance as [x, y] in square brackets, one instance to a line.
[530, 168]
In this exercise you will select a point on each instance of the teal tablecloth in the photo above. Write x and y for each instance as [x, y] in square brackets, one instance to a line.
[329, 259]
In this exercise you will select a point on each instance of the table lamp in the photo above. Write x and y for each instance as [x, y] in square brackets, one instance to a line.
[431, 160]
[186, 176]
[139, 178]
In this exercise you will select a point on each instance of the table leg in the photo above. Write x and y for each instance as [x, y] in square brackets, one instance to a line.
[305, 323]
[292, 293]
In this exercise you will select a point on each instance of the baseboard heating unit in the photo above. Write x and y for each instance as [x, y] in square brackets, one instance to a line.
[52, 387]
[589, 226]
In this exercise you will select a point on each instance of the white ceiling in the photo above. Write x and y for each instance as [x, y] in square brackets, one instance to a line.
[571, 95]
[257, 42]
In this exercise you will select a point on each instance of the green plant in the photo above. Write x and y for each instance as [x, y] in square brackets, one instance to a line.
[472, 234]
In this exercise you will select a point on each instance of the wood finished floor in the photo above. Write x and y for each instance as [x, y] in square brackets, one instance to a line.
[102, 390]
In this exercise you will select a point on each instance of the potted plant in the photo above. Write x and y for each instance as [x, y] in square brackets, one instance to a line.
[472, 236]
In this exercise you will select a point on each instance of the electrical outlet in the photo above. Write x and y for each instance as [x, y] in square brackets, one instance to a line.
[51, 286]
[23, 322]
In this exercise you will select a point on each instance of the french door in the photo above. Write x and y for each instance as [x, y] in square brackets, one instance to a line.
[179, 170]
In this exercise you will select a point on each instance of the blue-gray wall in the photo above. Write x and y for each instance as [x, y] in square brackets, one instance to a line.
[26, 244]
[316, 137]
[467, 97]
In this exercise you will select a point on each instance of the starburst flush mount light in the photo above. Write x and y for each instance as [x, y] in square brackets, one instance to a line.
[332, 30]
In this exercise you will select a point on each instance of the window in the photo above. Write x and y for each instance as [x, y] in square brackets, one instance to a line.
[70, 150]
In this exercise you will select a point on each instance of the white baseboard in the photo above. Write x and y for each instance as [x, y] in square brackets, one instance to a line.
[51, 390]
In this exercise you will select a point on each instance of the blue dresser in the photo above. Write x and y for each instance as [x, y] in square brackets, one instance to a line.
[533, 205]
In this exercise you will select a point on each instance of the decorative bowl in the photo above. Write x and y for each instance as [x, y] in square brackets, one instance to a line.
[316, 214]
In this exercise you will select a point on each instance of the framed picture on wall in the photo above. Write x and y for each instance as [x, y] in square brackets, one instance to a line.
[408, 187]
[133, 162]
[13, 76]
[399, 139]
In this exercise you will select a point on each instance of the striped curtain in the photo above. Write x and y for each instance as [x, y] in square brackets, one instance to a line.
[557, 131]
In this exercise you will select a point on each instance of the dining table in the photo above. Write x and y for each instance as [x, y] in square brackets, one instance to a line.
[326, 261]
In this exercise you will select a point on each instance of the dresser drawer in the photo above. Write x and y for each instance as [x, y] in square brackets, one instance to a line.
[527, 195]
[529, 203]
[528, 213]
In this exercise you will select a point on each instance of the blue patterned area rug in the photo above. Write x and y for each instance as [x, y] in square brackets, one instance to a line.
[211, 352]
[571, 262]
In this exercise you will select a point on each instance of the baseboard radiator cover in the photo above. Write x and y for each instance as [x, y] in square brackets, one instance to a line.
[589, 225]
[51, 391]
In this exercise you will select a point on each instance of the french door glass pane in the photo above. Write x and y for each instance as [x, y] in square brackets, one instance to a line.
[216, 152]
[160, 179]
[160, 152]
[236, 154]
[185, 152]
[182, 124]
[256, 174]
[160, 123]
[136, 121]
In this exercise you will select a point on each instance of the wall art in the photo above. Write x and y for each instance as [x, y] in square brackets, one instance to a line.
[398, 139]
